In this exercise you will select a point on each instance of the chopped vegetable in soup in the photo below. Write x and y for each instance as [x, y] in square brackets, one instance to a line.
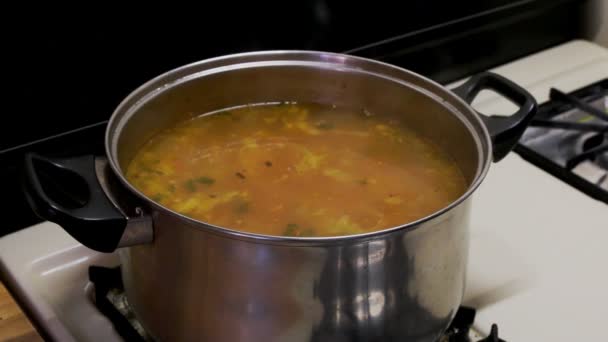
[296, 170]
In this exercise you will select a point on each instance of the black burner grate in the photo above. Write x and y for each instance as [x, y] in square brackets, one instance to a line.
[569, 138]
[110, 299]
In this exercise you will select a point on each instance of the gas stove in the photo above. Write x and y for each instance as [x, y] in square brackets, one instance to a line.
[569, 138]
[537, 237]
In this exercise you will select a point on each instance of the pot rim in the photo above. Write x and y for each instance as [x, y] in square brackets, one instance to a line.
[166, 80]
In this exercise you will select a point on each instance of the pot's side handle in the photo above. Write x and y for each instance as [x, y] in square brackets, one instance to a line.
[68, 192]
[505, 131]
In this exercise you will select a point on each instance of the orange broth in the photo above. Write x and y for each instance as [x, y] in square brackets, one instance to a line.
[296, 170]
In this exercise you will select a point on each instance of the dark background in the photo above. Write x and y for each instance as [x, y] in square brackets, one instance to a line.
[69, 68]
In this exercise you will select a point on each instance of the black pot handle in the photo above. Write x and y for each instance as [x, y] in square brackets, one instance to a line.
[505, 131]
[68, 192]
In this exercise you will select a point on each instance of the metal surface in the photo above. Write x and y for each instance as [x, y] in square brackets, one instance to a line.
[570, 148]
[139, 228]
[403, 283]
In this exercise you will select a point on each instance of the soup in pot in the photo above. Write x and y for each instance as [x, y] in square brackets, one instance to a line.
[296, 170]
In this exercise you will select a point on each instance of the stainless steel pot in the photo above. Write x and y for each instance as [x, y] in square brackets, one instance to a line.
[189, 280]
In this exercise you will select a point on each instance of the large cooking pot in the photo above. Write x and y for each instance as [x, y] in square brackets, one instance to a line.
[190, 280]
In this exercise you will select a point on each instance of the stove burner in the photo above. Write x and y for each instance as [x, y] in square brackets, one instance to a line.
[461, 324]
[111, 301]
[493, 335]
[569, 138]
[592, 147]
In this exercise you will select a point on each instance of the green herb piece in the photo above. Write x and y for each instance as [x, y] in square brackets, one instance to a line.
[240, 175]
[242, 207]
[363, 181]
[205, 180]
[325, 125]
[171, 188]
[190, 186]
[291, 229]
[158, 197]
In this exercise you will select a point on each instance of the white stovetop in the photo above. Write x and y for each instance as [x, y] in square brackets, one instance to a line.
[538, 246]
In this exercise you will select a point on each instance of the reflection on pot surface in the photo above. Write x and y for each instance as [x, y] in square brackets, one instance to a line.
[399, 285]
